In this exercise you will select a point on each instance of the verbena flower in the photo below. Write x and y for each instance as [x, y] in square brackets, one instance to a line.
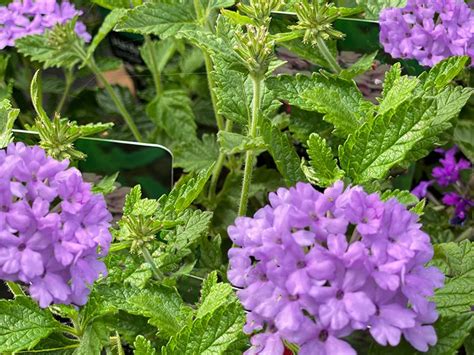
[428, 30]
[447, 175]
[53, 229]
[314, 267]
[21, 18]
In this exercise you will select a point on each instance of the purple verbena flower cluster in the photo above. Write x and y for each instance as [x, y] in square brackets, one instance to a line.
[428, 30]
[53, 228]
[447, 174]
[29, 17]
[314, 267]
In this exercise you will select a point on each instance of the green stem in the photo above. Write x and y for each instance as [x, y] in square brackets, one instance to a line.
[212, 85]
[257, 84]
[120, 246]
[149, 259]
[467, 234]
[117, 101]
[155, 72]
[90, 62]
[69, 77]
[218, 168]
[15, 289]
[323, 48]
[70, 330]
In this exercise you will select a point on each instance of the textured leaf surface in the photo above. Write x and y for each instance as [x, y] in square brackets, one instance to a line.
[212, 334]
[160, 19]
[325, 170]
[95, 337]
[457, 261]
[23, 324]
[464, 138]
[283, 153]
[143, 346]
[8, 116]
[445, 71]
[340, 100]
[372, 8]
[197, 154]
[363, 64]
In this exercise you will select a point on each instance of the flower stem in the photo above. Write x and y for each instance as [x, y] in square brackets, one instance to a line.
[69, 77]
[149, 259]
[332, 62]
[15, 289]
[155, 71]
[257, 84]
[212, 85]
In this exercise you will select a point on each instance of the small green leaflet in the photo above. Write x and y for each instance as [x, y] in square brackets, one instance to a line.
[114, 17]
[160, 19]
[23, 324]
[143, 346]
[372, 8]
[156, 54]
[451, 332]
[219, 295]
[363, 64]
[232, 143]
[185, 191]
[323, 169]
[95, 337]
[8, 116]
[283, 153]
[402, 196]
[106, 185]
[196, 154]
[457, 261]
[445, 71]
[212, 334]
[401, 89]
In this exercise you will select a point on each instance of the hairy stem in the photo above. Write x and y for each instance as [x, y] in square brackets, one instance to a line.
[332, 62]
[15, 289]
[69, 77]
[212, 85]
[257, 84]
[218, 168]
[155, 72]
[158, 275]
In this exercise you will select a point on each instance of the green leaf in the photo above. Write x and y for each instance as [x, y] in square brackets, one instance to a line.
[106, 185]
[23, 324]
[451, 332]
[160, 19]
[340, 100]
[95, 337]
[391, 76]
[445, 71]
[361, 66]
[212, 334]
[372, 8]
[114, 17]
[283, 153]
[401, 90]
[37, 97]
[172, 111]
[464, 138]
[185, 191]
[324, 170]
[217, 4]
[197, 154]
[92, 129]
[113, 4]
[156, 54]
[8, 116]
[131, 199]
[403, 196]
[233, 143]
[237, 18]
[219, 295]
[40, 49]
[457, 260]
[207, 285]
[303, 123]
[143, 346]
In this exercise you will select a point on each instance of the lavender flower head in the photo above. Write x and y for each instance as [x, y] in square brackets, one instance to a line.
[428, 30]
[29, 17]
[53, 229]
[446, 175]
[314, 267]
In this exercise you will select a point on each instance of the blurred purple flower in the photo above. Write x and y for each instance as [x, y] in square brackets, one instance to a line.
[461, 204]
[421, 190]
[53, 228]
[21, 18]
[448, 172]
[304, 283]
[428, 30]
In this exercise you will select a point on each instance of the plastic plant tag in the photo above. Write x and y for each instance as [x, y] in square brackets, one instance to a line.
[149, 165]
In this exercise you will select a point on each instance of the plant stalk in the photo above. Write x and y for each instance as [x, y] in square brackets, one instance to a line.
[15, 289]
[69, 77]
[212, 85]
[155, 72]
[323, 48]
[158, 275]
[257, 84]
[218, 168]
